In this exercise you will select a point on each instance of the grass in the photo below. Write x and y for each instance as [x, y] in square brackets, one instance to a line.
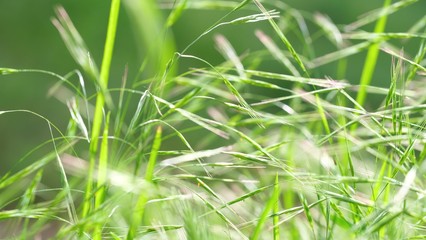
[231, 150]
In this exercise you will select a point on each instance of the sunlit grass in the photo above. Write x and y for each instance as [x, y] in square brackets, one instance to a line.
[230, 150]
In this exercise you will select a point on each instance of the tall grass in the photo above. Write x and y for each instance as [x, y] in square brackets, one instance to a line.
[231, 150]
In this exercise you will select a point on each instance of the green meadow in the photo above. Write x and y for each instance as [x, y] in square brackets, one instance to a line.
[202, 119]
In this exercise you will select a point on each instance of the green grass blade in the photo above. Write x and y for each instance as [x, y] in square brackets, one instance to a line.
[270, 206]
[370, 62]
[157, 42]
[239, 199]
[100, 102]
[153, 156]
[276, 209]
[380, 13]
[276, 52]
[176, 13]
[308, 214]
[143, 198]
[102, 175]
[282, 37]
[231, 88]
[28, 199]
[230, 54]
[339, 54]
[222, 216]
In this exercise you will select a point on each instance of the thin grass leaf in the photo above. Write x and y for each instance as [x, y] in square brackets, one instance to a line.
[237, 200]
[72, 213]
[203, 122]
[119, 119]
[30, 193]
[157, 43]
[225, 180]
[28, 199]
[248, 81]
[380, 13]
[303, 26]
[215, 195]
[74, 42]
[231, 88]
[308, 214]
[35, 213]
[340, 54]
[276, 52]
[63, 79]
[76, 116]
[100, 101]
[9, 179]
[115, 236]
[282, 37]
[122, 180]
[242, 20]
[371, 59]
[149, 173]
[222, 216]
[418, 25]
[341, 220]
[419, 56]
[330, 29]
[6, 71]
[137, 114]
[194, 156]
[385, 36]
[269, 206]
[348, 199]
[381, 221]
[176, 13]
[276, 209]
[327, 216]
[298, 94]
[405, 188]
[325, 83]
[250, 157]
[143, 198]
[400, 56]
[229, 53]
[79, 51]
[182, 138]
[211, 5]
[100, 194]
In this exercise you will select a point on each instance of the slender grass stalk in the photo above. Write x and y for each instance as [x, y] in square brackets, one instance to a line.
[271, 205]
[308, 214]
[100, 102]
[176, 13]
[102, 175]
[28, 199]
[276, 209]
[371, 60]
[143, 197]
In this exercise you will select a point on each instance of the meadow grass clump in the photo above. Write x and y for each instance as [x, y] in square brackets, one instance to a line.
[231, 150]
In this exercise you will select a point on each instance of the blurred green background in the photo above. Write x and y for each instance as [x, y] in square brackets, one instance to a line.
[28, 40]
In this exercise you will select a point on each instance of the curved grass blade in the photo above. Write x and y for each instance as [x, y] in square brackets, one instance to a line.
[282, 37]
[176, 13]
